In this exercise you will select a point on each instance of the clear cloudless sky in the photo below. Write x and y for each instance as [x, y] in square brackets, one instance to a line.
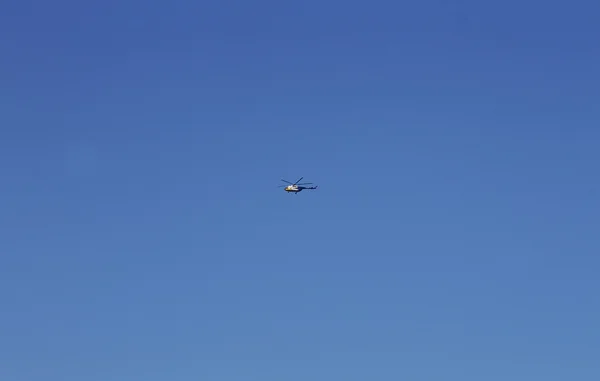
[455, 234]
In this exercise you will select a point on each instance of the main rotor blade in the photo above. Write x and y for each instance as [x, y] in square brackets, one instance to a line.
[303, 183]
[285, 181]
[298, 180]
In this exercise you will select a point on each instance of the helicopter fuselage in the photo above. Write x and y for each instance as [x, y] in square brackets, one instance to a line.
[296, 189]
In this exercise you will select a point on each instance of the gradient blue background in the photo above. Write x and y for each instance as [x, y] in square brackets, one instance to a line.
[454, 236]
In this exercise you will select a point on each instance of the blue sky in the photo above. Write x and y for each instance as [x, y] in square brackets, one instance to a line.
[454, 234]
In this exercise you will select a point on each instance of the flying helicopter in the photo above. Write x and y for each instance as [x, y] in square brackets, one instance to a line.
[296, 187]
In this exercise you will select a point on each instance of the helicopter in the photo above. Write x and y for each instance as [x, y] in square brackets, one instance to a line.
[295, 187]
